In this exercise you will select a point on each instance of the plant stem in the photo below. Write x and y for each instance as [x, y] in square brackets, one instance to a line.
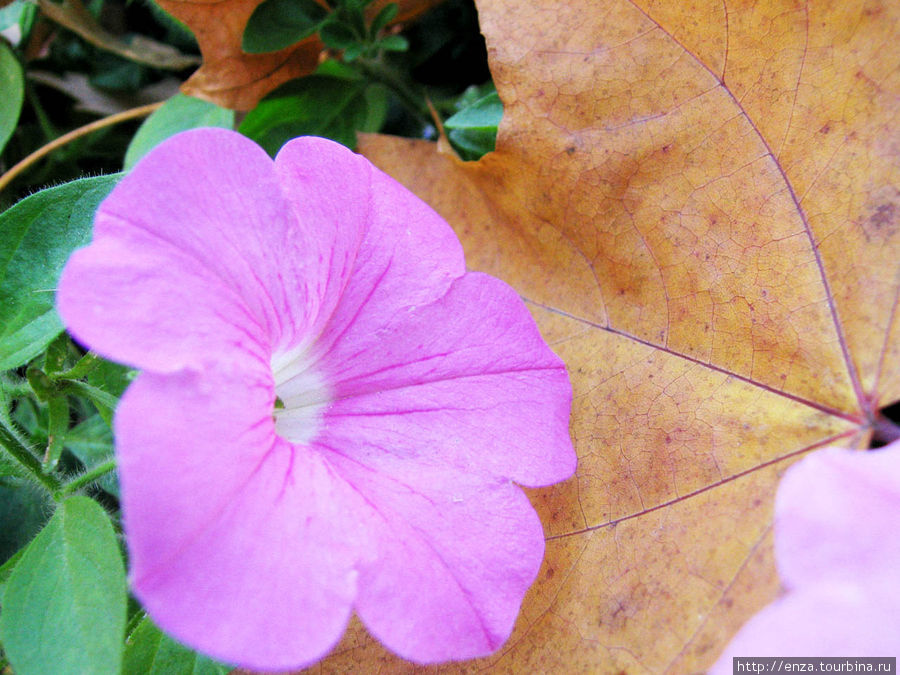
[378, 72]
[46, 125]
[17, 451]
[88, 477]
[10, 388]
[134, 113]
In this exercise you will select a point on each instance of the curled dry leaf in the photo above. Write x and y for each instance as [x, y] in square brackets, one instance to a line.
[700, 203]
[233, 79]
[76, 17]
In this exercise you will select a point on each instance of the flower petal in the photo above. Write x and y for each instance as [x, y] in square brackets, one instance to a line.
[328, 188]
[837, 554]
[837, 514]
[224, 275]
[250, 560]
[155, 309]
[453, 559]
[408, 258]
[829, 619]
[465, 381]
[206, 207]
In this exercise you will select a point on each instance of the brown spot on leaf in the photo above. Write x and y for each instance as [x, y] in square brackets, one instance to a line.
[881, 220]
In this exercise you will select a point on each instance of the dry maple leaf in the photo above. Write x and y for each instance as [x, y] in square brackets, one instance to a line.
[233, 79]
[700, 202]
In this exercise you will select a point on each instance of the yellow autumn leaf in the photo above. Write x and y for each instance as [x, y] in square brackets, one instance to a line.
[699, 201]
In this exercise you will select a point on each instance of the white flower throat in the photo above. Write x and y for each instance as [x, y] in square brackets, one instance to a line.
[304, 393]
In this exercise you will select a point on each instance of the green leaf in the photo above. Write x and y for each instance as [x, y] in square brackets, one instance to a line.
[473, 130]
[24, 509]
[6, 569]
[472, 144]
[335, 68]
[112, 378]
[335, 108]
[91, 442]
[10, 14]
[27, 19]
[338, 35]
[37, 235]
[353, 52]
[26, 424]
[387, 14]
[103, 401]
[485, 113]
[12, 84]
[179, 113]
[276, 24]
[8, 468]
[377, 103]
[151, 652]
[473, 94]
[357, 5]
[64, 604]
[115, 74]
[394, 43]
[57, 354]
[30, 417]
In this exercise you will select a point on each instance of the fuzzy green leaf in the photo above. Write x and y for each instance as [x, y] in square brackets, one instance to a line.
[37, 235]
[12, 84]
[152, 652]
[64, 605]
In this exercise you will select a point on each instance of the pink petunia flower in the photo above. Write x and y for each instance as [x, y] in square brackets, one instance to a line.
[837, 516]
[331, 410]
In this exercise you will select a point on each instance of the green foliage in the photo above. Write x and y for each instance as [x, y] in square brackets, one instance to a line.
[473, 130]
[91, 442]
[112, 378]
[6, 569]
[12, 84]
[276, 24]
[9, 15]
[339, 35]
[387, 14]
[152, 652]
[23, 511]
[318, 105]
[64, 603]
[179, 113]
[115, 74]
[36, 238]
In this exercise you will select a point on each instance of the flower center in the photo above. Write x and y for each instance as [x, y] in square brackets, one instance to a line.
[303, 393]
